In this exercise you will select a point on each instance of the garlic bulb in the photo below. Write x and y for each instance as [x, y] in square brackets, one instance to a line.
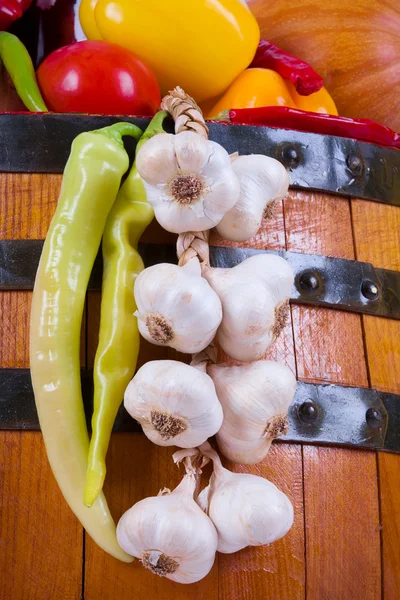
[263, 180]
[170, 534]
[176, 404]
[255, 399]
[246, 510]
[189, 181]
[176, 307]
[254, 297]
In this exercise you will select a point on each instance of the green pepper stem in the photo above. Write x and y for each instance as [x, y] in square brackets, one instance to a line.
[118, 130]
[19, 66]
[154, 128]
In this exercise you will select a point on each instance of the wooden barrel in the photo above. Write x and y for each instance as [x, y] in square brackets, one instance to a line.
[345, 541]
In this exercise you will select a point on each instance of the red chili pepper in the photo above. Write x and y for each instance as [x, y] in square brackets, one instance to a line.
[300, 73]
[11, 10]
[283, 117]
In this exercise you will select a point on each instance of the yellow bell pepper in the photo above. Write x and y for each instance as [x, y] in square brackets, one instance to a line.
[87, 20]
[264, 87]
[200, 45]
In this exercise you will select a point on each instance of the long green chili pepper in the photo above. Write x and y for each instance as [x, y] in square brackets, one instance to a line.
[90, 185]
[118, 347]
[19, 66]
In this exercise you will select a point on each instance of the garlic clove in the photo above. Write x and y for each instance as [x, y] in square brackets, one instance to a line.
[255, 399]
[155, 161]
[189, 181]
[263, 180]
[192, 151]
[246, 510]
[254, 297]
[170, 534]
[176, 307]
[175, 403]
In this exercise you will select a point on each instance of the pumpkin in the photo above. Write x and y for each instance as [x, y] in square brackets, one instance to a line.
[353, 44]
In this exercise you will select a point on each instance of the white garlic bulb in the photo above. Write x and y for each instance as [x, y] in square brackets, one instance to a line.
[254, 297]
[176, 307]
[170, 534]
[263, 180]
[255, 399]
[189, 181]
[246, 510]
[175, 403]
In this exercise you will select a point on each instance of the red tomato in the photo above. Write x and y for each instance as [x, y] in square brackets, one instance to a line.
[98, 77]
[11, 10]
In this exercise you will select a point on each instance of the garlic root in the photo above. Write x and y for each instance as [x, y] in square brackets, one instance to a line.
[176, 307]
[170, 533]
[189, 180]
[175, 403]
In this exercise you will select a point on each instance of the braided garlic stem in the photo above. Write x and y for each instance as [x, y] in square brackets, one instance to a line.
[191, 244]
[185, 112]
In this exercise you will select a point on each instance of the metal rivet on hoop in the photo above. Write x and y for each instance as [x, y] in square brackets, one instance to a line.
[308, 412]
[290, 156]
[369, 290]
[355, 164]
[373, 417]
[309, 282]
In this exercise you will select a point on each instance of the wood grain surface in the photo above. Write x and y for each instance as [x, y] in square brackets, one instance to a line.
[377, 239]
[346, 502]
[329, 349]
[41, 542]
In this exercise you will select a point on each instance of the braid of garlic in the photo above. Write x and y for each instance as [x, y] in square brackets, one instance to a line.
[188, 117]
[185, 112]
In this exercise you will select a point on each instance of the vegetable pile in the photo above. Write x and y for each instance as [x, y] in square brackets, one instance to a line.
[190, 184]
[123, 64]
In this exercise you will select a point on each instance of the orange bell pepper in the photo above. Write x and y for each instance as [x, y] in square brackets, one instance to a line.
[264, 87]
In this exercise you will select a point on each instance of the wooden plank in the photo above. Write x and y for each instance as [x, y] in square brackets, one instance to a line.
[14, 329]
[278, 570]
[40, 539]
[383, 350]
[342, 524]
[377, 237]
[328, 343]
[329, 349]
[27, 204]
[389, 481]
[329, 346]
[377, 233]
[318, 224]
